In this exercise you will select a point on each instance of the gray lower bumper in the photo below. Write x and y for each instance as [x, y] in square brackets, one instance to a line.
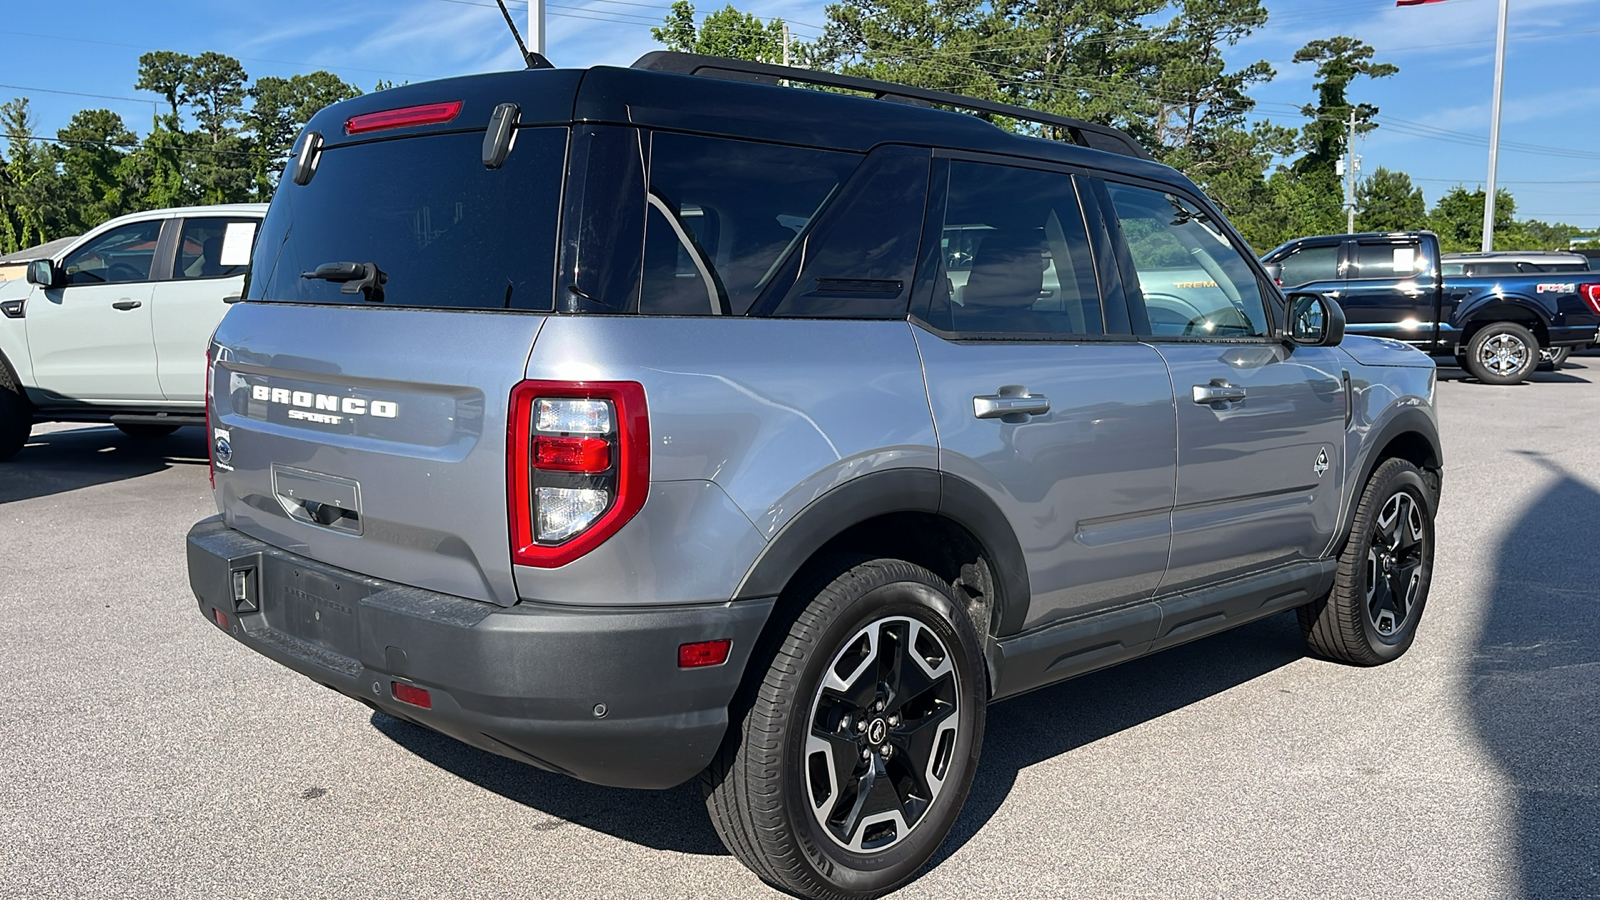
[525, 681]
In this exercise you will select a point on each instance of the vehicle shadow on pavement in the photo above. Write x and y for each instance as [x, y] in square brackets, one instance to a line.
[55, 462]
[1571, 373]
[1535, 687]
[673, 819]
[1047, 723]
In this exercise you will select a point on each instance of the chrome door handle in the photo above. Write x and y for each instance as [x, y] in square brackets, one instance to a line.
[1003, 406]
[1218, 391]
[126, 304]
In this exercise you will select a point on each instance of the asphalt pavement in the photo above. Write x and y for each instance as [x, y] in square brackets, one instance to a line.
[145, 754]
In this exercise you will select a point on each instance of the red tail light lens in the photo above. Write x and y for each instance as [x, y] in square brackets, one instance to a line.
[405, 117]
[578, 466]
[1591, 293]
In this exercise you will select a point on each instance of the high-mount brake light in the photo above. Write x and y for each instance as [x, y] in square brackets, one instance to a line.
[578, 466]
[404, 117]
[1591, 294]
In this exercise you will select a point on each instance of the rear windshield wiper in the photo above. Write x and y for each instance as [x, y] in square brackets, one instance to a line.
[356, 277]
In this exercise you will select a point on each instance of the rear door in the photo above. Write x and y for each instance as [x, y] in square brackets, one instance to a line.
[368, 429]
[212, 254]
[1040, 395]
[1260, 423]
[1390, 290]
[91, 339]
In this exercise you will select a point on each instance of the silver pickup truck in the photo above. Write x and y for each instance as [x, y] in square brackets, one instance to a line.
[114, 327]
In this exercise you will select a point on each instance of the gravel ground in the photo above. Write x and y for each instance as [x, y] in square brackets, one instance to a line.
[146, 755]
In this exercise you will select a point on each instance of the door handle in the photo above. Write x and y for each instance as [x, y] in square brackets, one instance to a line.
[1004, 406]
[1219, 391]
[126, 304]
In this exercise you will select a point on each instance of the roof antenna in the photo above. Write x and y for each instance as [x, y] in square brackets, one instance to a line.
[534, 60]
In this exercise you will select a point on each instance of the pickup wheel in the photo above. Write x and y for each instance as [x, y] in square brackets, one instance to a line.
[1553, 358]
[1370, 617]
[146, 432]
[16, 416]
[1502, 353]
[857, 746]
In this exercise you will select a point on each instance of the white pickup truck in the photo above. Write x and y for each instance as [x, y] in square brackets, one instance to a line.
[114, 327]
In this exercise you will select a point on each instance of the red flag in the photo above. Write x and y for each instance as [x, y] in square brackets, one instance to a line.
[1415, 2]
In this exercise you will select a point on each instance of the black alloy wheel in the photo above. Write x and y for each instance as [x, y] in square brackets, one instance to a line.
[1398, 547]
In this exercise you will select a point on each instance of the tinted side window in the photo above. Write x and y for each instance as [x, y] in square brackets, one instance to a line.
[722, 215]
[201, 244]
[1311, 264]
[1016, 255]
[1194, 282]
[121, 254]
[1390, 260]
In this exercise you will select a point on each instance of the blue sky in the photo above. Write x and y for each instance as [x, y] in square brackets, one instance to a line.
[1434, 115]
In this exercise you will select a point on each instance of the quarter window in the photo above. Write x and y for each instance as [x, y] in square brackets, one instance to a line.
[723, 214]
[121, 254]
[1193, 280]
[1016, 255]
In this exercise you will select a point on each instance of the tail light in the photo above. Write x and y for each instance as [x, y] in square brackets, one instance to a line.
[1591, 293]
[578, 457]
[211, 440]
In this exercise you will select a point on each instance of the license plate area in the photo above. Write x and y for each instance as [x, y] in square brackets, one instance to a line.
[314, 606]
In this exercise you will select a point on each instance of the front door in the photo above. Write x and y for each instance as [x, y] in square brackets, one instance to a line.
[1068, 429]
[1260, 423]
[91, 338]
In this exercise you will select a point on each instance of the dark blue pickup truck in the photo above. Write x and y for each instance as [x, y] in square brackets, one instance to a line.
[1390, 285]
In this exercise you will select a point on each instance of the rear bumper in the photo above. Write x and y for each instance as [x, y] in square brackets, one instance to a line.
[525, 682]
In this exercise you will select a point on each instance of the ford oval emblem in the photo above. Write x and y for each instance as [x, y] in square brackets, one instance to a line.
[224, 450]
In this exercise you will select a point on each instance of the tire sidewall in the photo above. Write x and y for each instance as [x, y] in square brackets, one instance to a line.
[1392, 482]
[931, 605]
[1475, 348]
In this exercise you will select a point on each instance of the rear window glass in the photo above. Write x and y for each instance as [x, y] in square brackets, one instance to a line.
[443, 230]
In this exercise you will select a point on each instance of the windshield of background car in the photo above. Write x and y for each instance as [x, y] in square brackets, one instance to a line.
[444, 231]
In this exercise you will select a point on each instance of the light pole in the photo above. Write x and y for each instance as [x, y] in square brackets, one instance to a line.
[1494, 128]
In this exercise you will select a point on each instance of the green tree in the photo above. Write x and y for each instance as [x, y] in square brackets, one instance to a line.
[726, 32]
[213, 89]
[28, 207]
[1387, 201]
[1458, 220]
[1340, 61]
[279, 108]
[165, 72]
[90, 151]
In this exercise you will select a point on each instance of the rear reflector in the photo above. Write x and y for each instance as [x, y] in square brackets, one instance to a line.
[415, 696]
[703, 653]
[571, 454]
[405, 117]
[1591, 293]
[221, 618]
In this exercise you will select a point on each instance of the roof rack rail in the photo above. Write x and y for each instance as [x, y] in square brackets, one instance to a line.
[1084, 134]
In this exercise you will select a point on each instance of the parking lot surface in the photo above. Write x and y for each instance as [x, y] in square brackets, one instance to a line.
[145, 754]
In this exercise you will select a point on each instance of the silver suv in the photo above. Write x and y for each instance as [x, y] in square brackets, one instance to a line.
[650, 423]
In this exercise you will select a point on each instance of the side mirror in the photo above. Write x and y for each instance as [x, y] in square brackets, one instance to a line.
[1314, 321]
[1275, 272]
[43, 273]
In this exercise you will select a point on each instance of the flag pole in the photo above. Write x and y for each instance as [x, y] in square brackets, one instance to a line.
[1494, 128]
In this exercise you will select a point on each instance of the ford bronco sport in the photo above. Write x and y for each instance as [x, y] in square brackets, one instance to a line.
[650, 423]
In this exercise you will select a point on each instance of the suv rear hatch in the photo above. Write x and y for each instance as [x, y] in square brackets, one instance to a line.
[360, 393]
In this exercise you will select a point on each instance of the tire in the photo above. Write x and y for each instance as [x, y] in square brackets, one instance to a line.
[1502, 353]
[1553, 358]
[782, 795]
[146, 432]
[1370, 617]
[16, 416]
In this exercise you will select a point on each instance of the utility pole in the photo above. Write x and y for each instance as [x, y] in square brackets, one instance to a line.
[786, 43]
[1350, 174]
[1494, 127]
[536, 26]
